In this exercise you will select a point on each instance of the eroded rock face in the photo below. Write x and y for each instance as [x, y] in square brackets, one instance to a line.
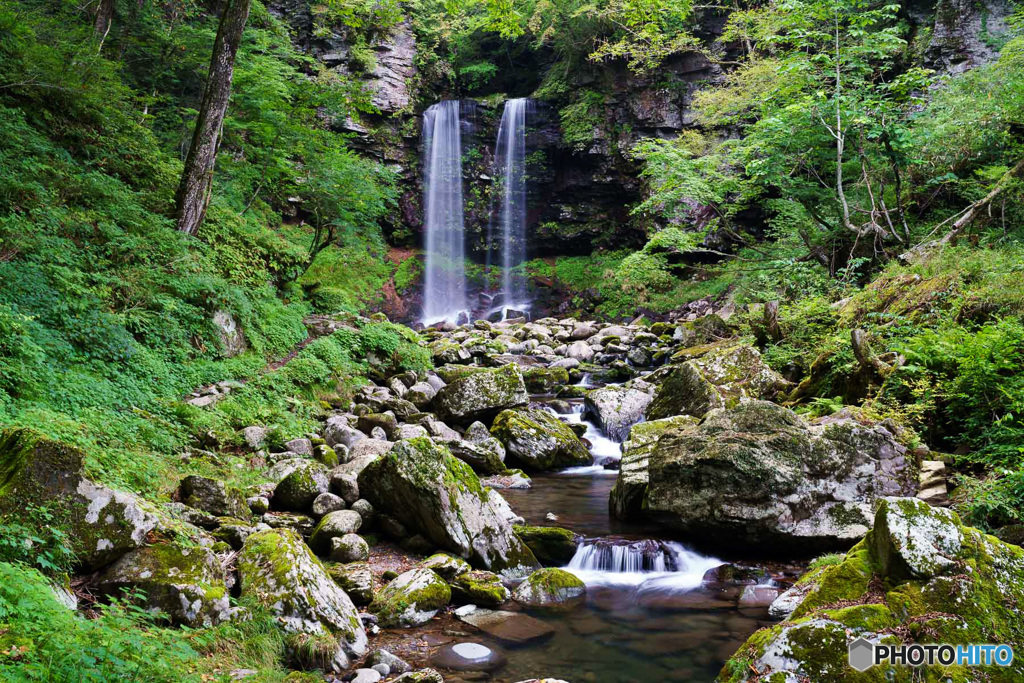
[277, 569]
[106, 524]
[537, 440]
[481, 395]
[437, 495]
[757, 475]
[185, 583]
[971, 596]
[411, 599]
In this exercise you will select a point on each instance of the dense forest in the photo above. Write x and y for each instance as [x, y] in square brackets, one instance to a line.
[783, 237]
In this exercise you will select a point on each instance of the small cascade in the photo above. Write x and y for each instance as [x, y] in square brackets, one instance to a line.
[647, 564]
[510, 180]
[445, 282]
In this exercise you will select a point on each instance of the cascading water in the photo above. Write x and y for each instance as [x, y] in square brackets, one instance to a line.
[445, 283]
[510, 176]
[647, 565]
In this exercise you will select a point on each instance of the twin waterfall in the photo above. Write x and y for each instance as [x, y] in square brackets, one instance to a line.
[445, 284]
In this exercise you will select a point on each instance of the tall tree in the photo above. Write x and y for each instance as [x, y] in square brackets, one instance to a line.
[197, 179]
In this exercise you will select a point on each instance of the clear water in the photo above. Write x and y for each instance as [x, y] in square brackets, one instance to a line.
[647, 616]
[445, 278]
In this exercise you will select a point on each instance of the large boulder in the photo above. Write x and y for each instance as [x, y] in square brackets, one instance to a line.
[720, 378]
[361, 455]
[626, 499]
[277, 570]
[481, 395]
[106, 524]
[211, 495]
[297, 491]
[553, 546]
[537, 440]
[919, 576]
[616, 408]
[411, 599]
[184, 583]
[486, 457]
[758, 476]
[437, 495]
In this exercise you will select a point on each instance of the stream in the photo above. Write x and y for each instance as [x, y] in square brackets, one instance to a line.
[647, 615]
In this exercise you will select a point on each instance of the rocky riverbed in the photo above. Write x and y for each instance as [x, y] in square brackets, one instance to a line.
[591, 501]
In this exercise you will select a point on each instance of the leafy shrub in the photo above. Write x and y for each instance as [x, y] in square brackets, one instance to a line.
[42, 640]
[38, 537]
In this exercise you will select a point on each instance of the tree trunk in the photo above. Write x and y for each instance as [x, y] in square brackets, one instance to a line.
[104, 20]
[771, 321]
[197, 179]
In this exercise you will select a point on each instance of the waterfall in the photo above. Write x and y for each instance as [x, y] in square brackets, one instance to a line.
[510, 187]
[445, 286]
[647, 564]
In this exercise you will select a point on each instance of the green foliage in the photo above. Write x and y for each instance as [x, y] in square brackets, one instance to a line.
[38, 537]
[581, 119]
[106, 310]
[826, 561]
[41, 640]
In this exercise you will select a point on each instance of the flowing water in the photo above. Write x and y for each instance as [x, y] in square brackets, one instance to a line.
[445, 279]
[649, 615]
[510, 188]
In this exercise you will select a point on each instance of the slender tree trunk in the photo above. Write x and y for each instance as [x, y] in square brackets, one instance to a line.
[197, 179]
[104, 20]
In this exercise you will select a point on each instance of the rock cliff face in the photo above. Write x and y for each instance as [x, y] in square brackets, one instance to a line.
[582, 181]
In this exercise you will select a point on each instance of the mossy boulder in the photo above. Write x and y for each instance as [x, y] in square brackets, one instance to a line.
[537, 440]
[213, 496]
[889, 589]
[705, 330]
[411, 599]
[433, 493]
[446, 566]
[541, 380]
[277, 570]
[553, 546]
[485, 457]
[483, 589]
[482, 395]
[349, 548]
[720, 378]
[356, 579]
[550, 588]
[616, 408]
[757, 475]
[185, 583]
[626, 499]
[297, 491]
[445, 350]
[334, 525]
[685, 391]
[105, 524]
